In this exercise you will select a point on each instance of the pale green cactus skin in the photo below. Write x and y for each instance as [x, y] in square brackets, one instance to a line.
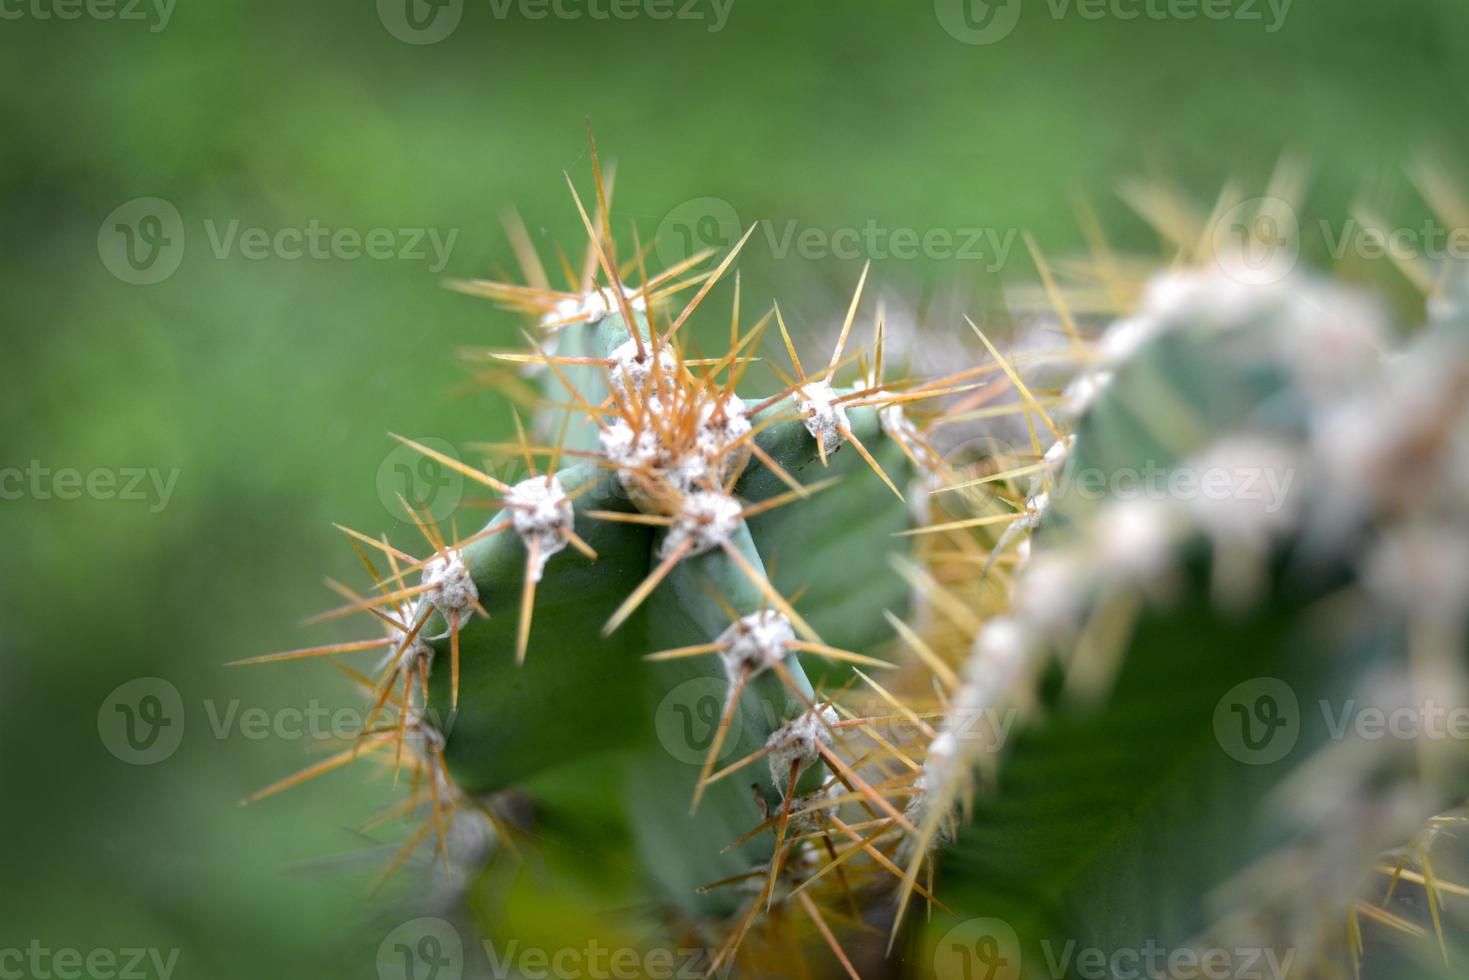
[1126, 802]
[580, 692]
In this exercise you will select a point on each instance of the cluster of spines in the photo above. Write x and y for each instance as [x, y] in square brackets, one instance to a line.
[678, 439]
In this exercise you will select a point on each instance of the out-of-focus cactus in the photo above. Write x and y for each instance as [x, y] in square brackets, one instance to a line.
[1253, 529]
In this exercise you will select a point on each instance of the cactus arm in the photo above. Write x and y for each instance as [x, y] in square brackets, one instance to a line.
[577, 692]
[1254, 821]
[685, 851]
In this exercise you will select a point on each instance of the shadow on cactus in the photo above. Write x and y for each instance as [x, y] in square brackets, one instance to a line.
[782, 665]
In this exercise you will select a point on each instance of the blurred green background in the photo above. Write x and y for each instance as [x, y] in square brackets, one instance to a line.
[268, 384]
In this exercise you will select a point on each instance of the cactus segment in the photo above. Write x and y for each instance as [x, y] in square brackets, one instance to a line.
[667, 646]
[1199, 614]
[591, 684]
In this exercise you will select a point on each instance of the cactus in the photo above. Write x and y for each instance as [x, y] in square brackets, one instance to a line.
[672, 536]
[1330, 566]
[680, 553]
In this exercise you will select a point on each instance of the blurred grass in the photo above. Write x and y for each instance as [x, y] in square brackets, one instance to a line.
[270, 384]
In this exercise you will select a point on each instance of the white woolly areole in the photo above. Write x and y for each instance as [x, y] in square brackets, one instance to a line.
[452, 591]
[704, 520]
[721, 424]
[540, 513]
[798, 743]
[1242, 488]
[1136, 539]
[1053, 460]
[1035, 509]
[1423, 569]
[1214, 297]
[687, 465]
[825, 419]
[1394, 445]
[939, 771]
[1056, 456]
[966, 709]
[1124, 337]
[1082, 392]
[1053, 590]
[626, 448]
[629, 372]
[1328, 334]
[995, 660]
[1332, 338]
[1211, 298]
[755, 642]
[601, 303]
[564, 310]
[1355, 442]
[688, 471]
[896, 424]
[1450, 299]
[940, 750]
